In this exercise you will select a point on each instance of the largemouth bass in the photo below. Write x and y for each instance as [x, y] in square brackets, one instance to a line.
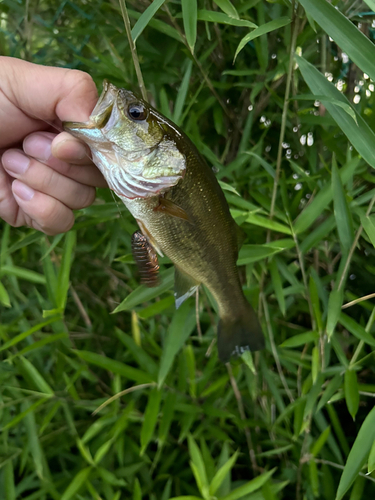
[177, 201]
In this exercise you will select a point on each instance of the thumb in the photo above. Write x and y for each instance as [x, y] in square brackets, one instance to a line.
[45, 92]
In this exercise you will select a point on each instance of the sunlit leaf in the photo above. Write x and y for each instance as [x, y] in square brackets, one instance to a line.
[145, 18]
[347, 36]
[359, 134]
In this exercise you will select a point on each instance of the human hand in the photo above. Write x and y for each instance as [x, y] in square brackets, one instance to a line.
[52, 175]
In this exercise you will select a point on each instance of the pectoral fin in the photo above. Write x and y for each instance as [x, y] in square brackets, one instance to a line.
[184, 286]
[169, 207]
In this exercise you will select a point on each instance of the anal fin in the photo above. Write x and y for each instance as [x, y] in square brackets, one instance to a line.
[184, 286]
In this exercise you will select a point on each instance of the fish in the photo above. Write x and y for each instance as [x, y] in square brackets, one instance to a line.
[180, 208]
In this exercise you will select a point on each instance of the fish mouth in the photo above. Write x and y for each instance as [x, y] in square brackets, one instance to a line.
[100, 114]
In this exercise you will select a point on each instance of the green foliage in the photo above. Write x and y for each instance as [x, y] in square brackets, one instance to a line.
[135, 404]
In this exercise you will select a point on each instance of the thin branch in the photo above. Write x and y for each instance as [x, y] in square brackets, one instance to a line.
[294, 30]
[229, 114]
[273, 348]
[243, 417]
[357, 301]
[339, 466]
[81, 308]
[133, 49]
[122, 393]
[352, 248]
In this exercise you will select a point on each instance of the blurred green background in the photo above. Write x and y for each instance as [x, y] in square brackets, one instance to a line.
[293, 144]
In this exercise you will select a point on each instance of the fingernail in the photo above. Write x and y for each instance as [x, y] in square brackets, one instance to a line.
[15, 162]
[22, 191]
[38, 146]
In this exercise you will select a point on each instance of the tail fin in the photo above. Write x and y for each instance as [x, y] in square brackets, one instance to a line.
[240, 334]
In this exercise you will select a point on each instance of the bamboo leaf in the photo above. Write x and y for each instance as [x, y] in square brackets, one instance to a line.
[144, 294]
[358, 454]
[33, 441]
[261, 30]
[371, 4]
[345, 106]
[361, 136]
[167, 417]
[254, 253]
[150, 418]
[300, 339]
[347, 36]
[64, 271]
[32, 375]
[323, 199]
[23, 414]
[368, 224]
[189, 16]
[145, 18]
[329, 391]
[351, 392]
[181, 96]
[277, 286]
[77, 483]
[9, 483]
[179, 330]
[4, 296]
[221, 473]
[227, 7]
[356, 329]
[220, 18]
[21, 336]
[249, 487]
[198, 466]
[137, 493]
[315, 302]
[24, 274]
[371, 459]
[114, 366]
[335, 301]
[320, 442]
[342, 213]
[258, 220]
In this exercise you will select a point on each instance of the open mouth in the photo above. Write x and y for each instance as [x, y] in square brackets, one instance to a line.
[101, 113]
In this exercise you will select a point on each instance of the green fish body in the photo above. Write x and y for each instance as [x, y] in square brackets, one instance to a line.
[178, 203]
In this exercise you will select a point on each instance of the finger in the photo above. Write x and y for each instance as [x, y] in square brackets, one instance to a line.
[42, 212]
[8, 205]
[42, 93]
[44, 179]
[50, 92]
[39, 145]
[67, 148]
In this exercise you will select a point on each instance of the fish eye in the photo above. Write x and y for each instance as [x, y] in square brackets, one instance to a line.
[137, 112]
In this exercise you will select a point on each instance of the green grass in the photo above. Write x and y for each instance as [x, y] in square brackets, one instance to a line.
[129, 405]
